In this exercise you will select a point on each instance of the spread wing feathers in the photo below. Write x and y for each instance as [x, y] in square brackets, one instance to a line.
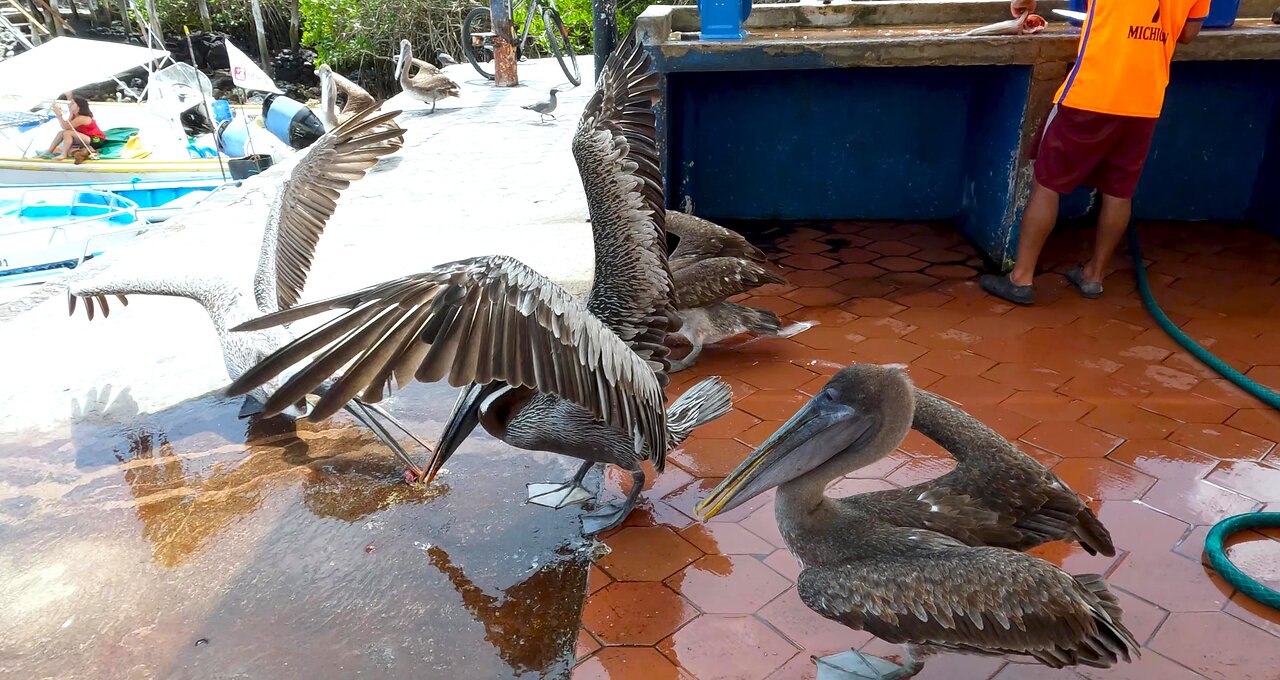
[996, 495]
[701, 238]
[977, 600]
[424, 67]
[616, 150]
[90, 301]
[471, 321]
[717, 279]
[308, 198]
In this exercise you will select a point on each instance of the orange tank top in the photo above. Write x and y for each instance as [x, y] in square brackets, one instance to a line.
[1122, 66]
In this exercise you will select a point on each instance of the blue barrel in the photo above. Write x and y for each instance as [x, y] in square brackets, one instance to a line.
[723, 19]
[1222, 14]
[221, 110]
[291, 122]
[232, 135]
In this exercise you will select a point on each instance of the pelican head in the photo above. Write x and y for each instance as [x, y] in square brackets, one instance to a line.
[859, 416]
[402, 61]
[465, 417]
[323, 72]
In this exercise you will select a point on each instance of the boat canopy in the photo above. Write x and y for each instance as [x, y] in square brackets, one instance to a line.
[64, 64]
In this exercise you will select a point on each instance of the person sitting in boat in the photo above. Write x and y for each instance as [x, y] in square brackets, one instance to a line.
[78, 128]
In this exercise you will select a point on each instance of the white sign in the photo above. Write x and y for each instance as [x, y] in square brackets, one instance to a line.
[246, 74]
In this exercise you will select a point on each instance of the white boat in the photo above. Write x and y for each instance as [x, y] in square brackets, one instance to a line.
[151, 149]
[49, 231]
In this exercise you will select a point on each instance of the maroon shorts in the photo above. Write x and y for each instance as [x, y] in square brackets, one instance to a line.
[1086, 148]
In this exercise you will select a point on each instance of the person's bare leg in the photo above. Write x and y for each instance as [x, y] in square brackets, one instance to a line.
[1038, 220]
[1113, 219]
[67, 140]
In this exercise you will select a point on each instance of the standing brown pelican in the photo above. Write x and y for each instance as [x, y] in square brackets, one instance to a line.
[541, 369]
[711, 264]
[301, 209]
[935, 566]
[429, 84]
[332, 85]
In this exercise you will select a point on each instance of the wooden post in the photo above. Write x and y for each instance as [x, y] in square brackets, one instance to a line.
[153, 18]
[260, 28]
[295, 21]
[205, 21]
[504, 50]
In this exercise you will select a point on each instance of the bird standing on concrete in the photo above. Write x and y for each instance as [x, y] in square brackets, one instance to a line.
[446, 60]
[545, 107]
[429, 85]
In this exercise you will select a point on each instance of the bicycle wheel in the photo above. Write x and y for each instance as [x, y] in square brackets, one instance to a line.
[477, 40]
[558, 38]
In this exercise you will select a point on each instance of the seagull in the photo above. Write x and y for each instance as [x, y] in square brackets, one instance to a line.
[445, 59]
[544, 108]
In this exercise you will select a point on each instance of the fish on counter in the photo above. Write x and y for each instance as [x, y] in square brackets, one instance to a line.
[1026, 24]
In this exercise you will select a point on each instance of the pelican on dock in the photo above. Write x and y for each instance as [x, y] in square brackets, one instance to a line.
[711, 264]
[301, 209]
[428, 85]
[540, 369]
[935, 566]
[333, 84]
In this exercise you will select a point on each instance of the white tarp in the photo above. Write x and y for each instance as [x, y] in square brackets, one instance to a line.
[246, 74]
[63, 64]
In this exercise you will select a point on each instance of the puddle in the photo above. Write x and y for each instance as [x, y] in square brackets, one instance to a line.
[190, 544]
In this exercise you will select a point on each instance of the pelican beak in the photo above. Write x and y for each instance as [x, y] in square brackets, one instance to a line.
[465, 417]
[819, 430]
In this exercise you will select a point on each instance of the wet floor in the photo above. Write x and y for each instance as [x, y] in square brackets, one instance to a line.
[1091, 388]
[190, 544]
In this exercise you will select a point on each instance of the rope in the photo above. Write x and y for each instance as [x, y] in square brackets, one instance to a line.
[1213, 546]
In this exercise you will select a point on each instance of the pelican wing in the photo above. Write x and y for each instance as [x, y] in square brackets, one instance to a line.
[424, 80]
[617, 154]
[424, 67]
[357, 98]
[704, 282]
[996, 495]
[307, 201]
[983, 600]
[701, 239]
[471, 321]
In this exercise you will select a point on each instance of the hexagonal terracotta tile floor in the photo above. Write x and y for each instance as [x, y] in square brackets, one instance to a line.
[1091, 388]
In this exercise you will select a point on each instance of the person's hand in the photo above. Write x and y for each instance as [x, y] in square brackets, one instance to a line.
[1020, 7]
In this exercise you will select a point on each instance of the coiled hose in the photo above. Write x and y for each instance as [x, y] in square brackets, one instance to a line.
[1214, 545]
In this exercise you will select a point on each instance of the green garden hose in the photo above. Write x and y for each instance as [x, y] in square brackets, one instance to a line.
[1213, 546]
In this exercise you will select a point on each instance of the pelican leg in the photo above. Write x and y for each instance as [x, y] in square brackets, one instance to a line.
[854, 665]
[610, 516]
[359, 410]
[688, 360]
[565, 493]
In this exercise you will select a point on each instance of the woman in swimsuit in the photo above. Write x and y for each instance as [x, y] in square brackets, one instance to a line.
[78, 127]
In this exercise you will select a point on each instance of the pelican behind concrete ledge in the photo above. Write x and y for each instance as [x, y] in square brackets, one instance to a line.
[935, 566]
[301, 209]
[541, 370]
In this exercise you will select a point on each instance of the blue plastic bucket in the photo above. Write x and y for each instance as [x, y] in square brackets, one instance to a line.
[1222, 14]
[723, 19]
[221, 110]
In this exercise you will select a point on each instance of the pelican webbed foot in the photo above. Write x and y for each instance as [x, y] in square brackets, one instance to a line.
[610, 516]
[854, 665]
[687, 361]
[553, 495]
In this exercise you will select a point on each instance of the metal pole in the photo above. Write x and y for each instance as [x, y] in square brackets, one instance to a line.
[604, 31]
[504, 52]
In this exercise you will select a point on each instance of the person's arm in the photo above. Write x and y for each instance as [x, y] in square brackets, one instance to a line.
[1020, 7]
[62, 122]
[1195, 21]
[1190, 31]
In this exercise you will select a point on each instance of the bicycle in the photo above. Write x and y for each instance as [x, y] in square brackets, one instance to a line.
[477, 38]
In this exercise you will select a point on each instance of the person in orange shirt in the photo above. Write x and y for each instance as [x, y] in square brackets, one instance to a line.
[1099, 130]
